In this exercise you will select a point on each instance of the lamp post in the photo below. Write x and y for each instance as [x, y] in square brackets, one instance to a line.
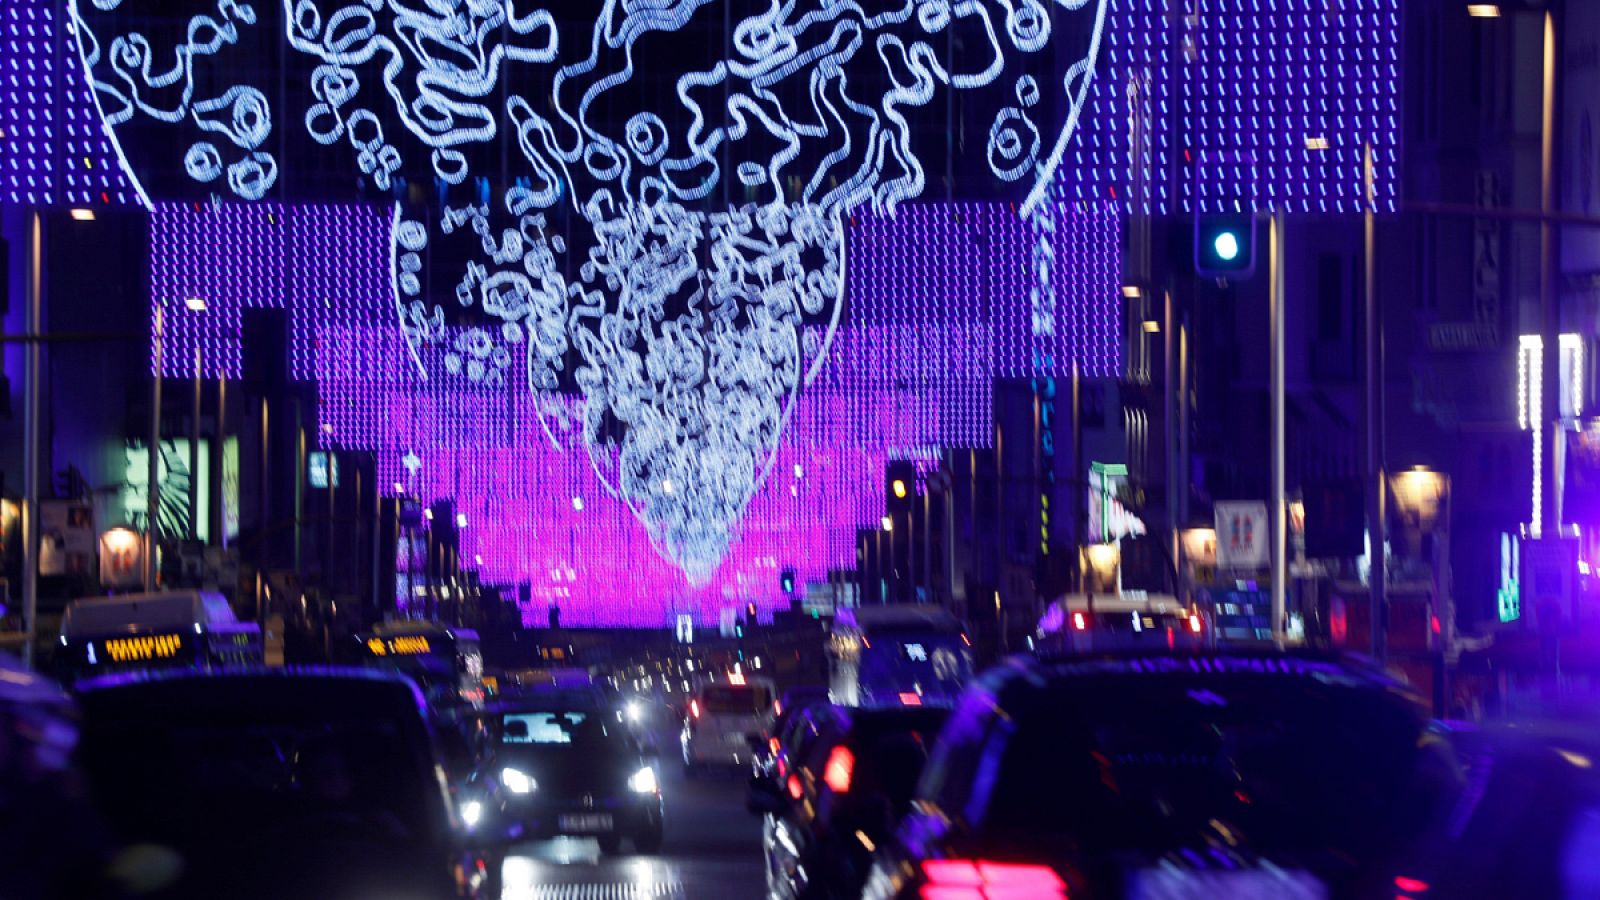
[1421, 497]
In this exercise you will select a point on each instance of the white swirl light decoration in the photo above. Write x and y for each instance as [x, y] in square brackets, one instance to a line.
[688, 335]
[135, 84]
[706, 265]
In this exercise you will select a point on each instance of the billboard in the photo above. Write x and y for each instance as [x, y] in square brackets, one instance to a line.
[1242, 535]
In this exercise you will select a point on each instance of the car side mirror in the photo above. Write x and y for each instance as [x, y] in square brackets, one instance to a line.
[763, 797]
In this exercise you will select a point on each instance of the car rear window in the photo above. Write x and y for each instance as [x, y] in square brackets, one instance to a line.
[576, 728]
[1128, 762]
[735, 699]
[163, 763]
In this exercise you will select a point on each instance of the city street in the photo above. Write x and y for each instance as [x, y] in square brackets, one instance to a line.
[713, 848]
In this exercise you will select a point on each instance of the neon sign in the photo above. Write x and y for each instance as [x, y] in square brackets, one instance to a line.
[401, 645]
[139, 649]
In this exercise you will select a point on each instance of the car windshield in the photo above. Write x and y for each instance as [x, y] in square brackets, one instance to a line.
[742, 699]
[1127, 763]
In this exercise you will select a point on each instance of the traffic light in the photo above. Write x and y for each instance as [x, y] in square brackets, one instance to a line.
[1225, 245]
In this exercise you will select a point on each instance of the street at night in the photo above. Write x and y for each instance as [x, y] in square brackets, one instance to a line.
[799, 449]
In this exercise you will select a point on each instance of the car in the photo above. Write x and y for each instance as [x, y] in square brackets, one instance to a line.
[1215, 774]
[1133, 621]
[846, 780]
[568, 769]
[260, 783]
[786, 711]
[724, 722]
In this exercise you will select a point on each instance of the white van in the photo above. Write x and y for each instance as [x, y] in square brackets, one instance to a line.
[723, 719]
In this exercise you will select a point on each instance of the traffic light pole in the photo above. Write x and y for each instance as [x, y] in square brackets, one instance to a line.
[32, 434]
[1377, 491]
[1278, 520]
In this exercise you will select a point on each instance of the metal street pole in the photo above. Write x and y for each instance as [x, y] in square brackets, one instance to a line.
[1547, 519]
[1170, 398]
[152, 531]
[32, 434]
[927, 544]
[1377, 489]
[194, 450]
[1278, 518]
[219, 456]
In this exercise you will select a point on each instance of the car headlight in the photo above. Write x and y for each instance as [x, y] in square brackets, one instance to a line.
[632, 710]
[644, 781]
[471, 813]
[517, 782]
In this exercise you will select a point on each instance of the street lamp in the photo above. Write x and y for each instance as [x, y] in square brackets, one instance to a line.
[1100, 563]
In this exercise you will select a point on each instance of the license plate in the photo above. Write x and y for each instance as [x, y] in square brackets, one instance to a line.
[584, 823]
[1178, 884]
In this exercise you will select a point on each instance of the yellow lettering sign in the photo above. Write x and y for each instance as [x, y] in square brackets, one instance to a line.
[377, 647]
[135, 649]
[409, 645]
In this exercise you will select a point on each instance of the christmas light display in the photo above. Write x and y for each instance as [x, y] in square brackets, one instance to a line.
[53, 147]
[1289, 91]
[911, 371]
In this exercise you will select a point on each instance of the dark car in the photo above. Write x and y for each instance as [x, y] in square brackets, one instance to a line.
[846, 779]
[788, 709]
[574, 770]
[1208, 775]
[274, 784]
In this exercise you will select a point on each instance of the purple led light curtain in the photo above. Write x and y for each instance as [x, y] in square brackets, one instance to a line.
[940, 303]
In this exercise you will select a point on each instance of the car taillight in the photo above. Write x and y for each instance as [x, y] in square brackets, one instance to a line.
[961, 879]
[795, 789]
[910, 698]
[694, 708]
[772, 744]
[1194, 623]
[1409, 886]
[1080, 621]
[836, 774]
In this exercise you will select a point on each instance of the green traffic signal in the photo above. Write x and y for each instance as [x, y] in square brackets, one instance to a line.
[1224, 245]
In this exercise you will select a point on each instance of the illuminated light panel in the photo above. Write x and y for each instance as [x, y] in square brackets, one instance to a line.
[53, 149]
[1273, 82]
[1530, 397]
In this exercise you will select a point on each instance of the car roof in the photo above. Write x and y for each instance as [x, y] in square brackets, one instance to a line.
[1331, 668]
[309, 675]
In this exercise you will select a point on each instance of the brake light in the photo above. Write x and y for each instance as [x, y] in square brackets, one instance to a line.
[795, 790]
[836, 774]
[1194, 623]
[910, 698]
[960, 879]
[772, 744]
[1410, 885]
[694, 708]
[1079, 621]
